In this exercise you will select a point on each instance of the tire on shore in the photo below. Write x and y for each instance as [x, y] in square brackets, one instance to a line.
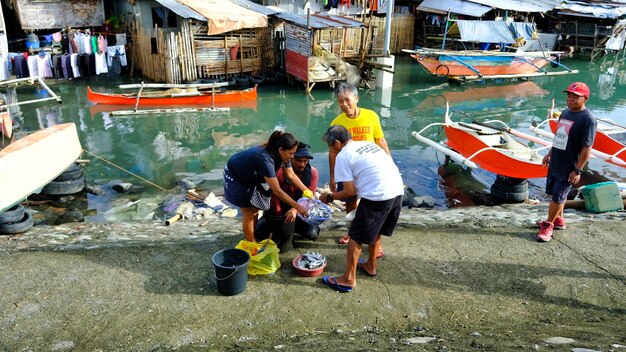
[64, 187]
[508, 197]
[25, 224]
[13, 214]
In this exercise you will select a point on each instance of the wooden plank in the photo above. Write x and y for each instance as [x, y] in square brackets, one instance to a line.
[172, 85]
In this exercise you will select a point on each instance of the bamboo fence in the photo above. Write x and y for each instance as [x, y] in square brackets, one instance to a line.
[236, 52]
[169, 52]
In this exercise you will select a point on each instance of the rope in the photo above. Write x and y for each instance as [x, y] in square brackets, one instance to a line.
[121, 168]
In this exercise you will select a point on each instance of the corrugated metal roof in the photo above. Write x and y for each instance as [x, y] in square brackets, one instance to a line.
[521, 5]
[579, 8]
[267, 11]
[317, 21]
[187, 12]
[181, 10]
[460, 7]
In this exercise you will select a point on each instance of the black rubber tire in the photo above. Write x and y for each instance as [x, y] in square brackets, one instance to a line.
[508, 197]
[64, 187]
[70, 175]
[13, 214]
[24, 225]
[522, 187]
[73, 167]
[506, 180]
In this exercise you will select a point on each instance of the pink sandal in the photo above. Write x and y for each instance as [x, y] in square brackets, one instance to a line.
[344, 239]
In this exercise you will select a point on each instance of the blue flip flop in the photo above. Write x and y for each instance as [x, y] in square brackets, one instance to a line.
[332, 283]
[359, 265]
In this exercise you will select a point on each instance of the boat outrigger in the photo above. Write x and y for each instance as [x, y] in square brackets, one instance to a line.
[490, 147]
[6, 122]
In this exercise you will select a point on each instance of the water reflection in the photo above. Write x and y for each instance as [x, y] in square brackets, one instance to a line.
[165, 147]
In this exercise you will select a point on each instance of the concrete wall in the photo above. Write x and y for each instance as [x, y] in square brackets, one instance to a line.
[46, 14]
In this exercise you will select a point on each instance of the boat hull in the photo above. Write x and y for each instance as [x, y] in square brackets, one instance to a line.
[30, 163]
[496, 65]
[605, 144]
[491, 159]
[203, 98]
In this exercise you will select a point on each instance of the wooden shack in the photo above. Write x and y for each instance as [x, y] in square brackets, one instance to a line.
[325, 48]
[210, 40]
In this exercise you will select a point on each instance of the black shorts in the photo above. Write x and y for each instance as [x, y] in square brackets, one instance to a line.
[375, 218]
[558, 188]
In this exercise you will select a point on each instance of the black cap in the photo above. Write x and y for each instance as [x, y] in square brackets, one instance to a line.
[304, 151]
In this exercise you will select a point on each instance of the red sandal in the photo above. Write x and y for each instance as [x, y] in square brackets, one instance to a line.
[344, 239]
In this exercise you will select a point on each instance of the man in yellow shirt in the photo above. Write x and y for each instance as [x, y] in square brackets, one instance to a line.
[363, 125]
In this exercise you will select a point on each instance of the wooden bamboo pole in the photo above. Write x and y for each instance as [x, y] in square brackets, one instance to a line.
[241, 54]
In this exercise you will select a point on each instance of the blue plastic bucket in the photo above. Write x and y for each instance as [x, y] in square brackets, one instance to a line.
[231, 270]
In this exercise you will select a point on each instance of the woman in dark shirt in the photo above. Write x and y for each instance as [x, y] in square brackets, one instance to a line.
[258, 165]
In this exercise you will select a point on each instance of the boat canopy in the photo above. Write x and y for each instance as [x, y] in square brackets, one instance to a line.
[485, 31]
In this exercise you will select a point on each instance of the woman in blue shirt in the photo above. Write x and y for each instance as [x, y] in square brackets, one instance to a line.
[256, 166]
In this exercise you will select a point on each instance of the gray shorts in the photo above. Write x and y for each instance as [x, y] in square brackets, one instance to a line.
[375, 218]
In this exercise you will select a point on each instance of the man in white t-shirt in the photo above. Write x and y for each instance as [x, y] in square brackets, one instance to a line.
[368, 172]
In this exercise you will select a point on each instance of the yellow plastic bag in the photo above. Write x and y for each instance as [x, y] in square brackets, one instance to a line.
[263, 263]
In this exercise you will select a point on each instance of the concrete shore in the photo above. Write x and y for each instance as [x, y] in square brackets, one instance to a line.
[459, 279]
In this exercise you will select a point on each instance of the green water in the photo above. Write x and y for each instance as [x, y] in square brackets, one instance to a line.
[165, 148]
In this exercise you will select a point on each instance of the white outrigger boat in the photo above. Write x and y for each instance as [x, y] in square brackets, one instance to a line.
[31, 162]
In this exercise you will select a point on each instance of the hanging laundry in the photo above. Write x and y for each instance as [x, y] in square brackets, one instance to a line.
[33, 72]
[120, 39]
[57, 66]
[20, 66]
[118, 51]
[44, 64]
[101, 63]
[74, 65]
[4, 68]
[102, 44]
[87, 44]
[73, 48]
[79, 40]
[48, 38]
[57, 37]
[94, 44]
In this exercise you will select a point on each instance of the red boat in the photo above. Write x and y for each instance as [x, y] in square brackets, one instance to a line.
[181, 97]
[489, 147]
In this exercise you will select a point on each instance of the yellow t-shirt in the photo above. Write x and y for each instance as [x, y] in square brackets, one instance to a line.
[365, 127]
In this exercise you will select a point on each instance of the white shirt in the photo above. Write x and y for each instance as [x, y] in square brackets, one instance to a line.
[376, 177]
